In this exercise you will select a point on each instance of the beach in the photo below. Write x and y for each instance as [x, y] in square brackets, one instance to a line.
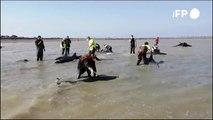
[180, 88]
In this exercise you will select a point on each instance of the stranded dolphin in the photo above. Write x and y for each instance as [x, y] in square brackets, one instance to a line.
[184, 44]
[67, 58]
[151, 60]
[156, 51]
[25, 60]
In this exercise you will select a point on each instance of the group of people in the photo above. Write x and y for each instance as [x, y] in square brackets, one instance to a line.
[65, 45]
[87, 61]
[142, 52]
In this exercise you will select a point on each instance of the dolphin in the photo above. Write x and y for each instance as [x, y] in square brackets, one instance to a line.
[151, 60]
[67, 58]
[25, 60]
[183, 44]
[157, 52]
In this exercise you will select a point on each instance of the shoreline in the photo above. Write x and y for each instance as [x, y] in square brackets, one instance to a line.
[82, 39]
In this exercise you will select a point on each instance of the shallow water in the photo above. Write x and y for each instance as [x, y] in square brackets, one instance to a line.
[180, 88]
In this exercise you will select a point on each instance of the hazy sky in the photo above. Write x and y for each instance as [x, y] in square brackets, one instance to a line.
[104, 18]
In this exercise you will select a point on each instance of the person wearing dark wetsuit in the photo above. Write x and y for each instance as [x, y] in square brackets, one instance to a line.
[132, 45]
[97, 47]
[142, 54]
[86, 63]
[40, 48]
[68, 42]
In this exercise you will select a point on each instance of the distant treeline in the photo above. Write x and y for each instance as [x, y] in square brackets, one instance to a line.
[15, 37]
[18, 37]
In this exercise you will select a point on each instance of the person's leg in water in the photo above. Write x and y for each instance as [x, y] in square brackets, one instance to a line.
[68, 50]
[63, 50]
[139, 59]
[38, 56]
[110, 49]
[130, 49]
[93, 67]
[81, 71]
[133, 50]
[81, 68]
[145, 60]
[88, 72]
[41, 56]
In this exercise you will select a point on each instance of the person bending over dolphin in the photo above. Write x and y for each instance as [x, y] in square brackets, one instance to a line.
[156, 50]
[107, 48]
[86, 63]
[97, 47]
[142, 53]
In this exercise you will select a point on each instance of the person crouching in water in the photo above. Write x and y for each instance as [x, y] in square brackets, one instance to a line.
[40, 48]
[142, 53]
[97, 46]
[86, 63]
[107, 48]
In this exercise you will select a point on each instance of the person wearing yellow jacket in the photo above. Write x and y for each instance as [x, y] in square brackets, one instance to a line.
[92, 46]
[63, 46]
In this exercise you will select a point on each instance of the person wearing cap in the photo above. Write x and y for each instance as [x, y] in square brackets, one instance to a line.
[40, 48]
[142, 53]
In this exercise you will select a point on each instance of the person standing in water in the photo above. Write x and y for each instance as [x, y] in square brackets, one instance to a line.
[40, 48]
[92, 46]
[132, 45]
[68, 42]
[63, 46]
[156, 41]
